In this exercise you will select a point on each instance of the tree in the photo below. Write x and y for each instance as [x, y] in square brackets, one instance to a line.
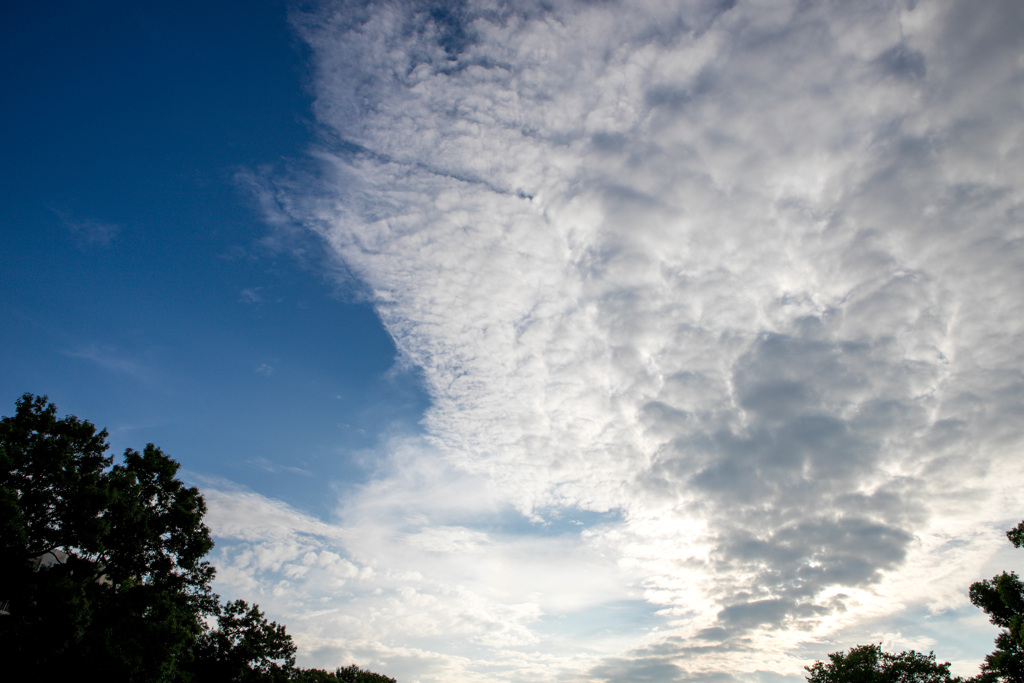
[102, 569]
[348, 674]
[244, 647]
[1002, 599]
[353, 674]
[100, 564]
[871, 664]
[52, 491]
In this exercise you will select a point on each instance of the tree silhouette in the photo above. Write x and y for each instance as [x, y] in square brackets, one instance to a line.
[871, 664]
[1002, 598]
[102, 569]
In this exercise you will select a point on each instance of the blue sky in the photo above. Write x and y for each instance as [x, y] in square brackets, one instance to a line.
[569, 341]
[142, 288]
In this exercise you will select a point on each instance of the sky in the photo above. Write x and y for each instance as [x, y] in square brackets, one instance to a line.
[607, 340]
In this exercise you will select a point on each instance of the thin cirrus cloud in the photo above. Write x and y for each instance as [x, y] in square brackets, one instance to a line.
[88, 232]
[113, 359]
[735, 284]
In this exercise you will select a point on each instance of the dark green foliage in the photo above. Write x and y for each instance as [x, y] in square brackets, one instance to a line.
[1016, 535]
[1002, 598]
[353, 674]
[314, 676]
[244, 647]
[348, 674]
[126, 586]
[871, 664]
[161, 539]
[102, 570]
[52, 487]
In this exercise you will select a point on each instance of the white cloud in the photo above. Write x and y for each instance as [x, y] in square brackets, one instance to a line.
[88, 232]
[747, 274]
[110, 358]
[418, 563]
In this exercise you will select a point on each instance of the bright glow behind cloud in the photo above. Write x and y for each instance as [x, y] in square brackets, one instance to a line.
[748, 275]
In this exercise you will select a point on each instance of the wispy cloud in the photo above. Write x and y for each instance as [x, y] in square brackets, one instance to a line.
[113, 359]
[89, 232]
[276, 468]
[251, 295]
[747, 274]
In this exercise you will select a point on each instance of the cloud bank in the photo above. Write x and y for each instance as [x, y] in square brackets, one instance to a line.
[719, 308]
